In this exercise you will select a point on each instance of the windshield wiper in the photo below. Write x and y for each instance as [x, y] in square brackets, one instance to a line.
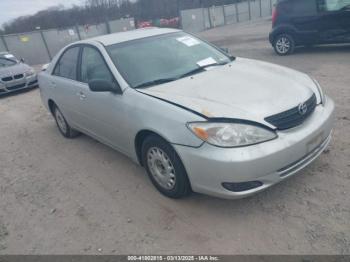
[171, 79]
[156, 82]
[8, 59]
[201, 69]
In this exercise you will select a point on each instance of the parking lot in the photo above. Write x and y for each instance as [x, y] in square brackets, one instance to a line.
[79, 196]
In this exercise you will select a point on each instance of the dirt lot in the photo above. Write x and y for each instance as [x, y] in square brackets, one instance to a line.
[81, 197]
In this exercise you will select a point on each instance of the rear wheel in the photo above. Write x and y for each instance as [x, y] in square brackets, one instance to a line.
[284, 44]
[165, 168]
[64, 128]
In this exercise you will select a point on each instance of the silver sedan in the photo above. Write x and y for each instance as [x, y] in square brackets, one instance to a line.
[15, 75]
[197, 118]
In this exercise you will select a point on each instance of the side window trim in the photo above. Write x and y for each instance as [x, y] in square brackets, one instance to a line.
[79, 64]
[59, 60]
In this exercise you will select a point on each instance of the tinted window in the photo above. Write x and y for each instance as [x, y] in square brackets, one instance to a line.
[304, 7]
[93, 66]
[333, 5]
[67, 65]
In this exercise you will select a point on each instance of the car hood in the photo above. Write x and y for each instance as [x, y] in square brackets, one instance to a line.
[13, 70]
[244, 89]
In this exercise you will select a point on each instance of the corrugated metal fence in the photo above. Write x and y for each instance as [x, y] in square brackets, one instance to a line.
[39, 47]
[197, 20]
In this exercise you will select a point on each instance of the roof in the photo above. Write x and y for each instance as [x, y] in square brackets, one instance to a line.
[116, 38]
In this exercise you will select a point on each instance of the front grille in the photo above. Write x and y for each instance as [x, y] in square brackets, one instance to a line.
[7, 79]
[16, 87]
[20, 76]
[292, 118]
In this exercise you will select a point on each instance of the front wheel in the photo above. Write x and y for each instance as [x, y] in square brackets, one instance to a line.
[284, 44]
[165, 168]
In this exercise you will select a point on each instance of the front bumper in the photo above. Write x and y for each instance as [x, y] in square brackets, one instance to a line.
[270, 162]
[24, 83]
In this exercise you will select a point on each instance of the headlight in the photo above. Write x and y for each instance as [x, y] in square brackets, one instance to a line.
[30, 72]
[231, 134]
[320, 91]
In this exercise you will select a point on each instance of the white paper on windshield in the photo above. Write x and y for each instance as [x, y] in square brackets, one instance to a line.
[9, 56]
[187, 40]
[207, 61]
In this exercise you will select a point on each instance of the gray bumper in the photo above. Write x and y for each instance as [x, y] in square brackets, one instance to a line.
[270, 162]
[25, 83]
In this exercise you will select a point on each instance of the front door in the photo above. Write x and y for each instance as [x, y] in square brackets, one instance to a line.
[103, 113]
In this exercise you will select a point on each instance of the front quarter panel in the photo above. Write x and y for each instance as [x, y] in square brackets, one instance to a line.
[165, 119]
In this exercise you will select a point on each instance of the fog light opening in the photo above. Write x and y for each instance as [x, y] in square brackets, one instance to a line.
[244, 186]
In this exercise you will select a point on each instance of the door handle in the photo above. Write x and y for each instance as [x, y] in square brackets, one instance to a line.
[81, 95]
[53, 84]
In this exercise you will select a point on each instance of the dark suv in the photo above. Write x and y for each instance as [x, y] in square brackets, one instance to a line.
[309, 22]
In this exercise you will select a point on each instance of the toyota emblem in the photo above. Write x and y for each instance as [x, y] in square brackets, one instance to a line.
[302, 109]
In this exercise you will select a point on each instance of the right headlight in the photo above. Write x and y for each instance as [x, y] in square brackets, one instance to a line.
[231, 134]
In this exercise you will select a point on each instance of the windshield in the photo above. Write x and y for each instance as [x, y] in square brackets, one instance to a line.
[163, 58]
[5, 62]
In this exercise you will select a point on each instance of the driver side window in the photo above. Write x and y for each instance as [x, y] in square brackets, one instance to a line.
[93, 66]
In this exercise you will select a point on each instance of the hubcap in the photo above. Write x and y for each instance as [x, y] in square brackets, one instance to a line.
[60, 121]
[161, 168]
[283, 45]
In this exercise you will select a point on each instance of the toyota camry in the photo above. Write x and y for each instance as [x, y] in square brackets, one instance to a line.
[195, 117]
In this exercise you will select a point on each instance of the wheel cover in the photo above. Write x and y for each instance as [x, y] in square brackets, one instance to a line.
[283, 45]
[60, 121]
[161, 168]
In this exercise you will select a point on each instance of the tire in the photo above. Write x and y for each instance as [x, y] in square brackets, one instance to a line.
[284, 44]
[165, 168]
[62, 124]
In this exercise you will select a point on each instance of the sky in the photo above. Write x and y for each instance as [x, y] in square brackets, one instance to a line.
[10, 9]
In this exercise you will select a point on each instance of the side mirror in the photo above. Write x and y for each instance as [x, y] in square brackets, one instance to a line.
[100, 85]
[22, 60]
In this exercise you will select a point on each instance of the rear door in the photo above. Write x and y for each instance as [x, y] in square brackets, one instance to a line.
[306, 20]
[65, 86]
[335, 20]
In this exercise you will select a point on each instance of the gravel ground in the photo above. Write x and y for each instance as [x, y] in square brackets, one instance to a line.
[78, 196]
